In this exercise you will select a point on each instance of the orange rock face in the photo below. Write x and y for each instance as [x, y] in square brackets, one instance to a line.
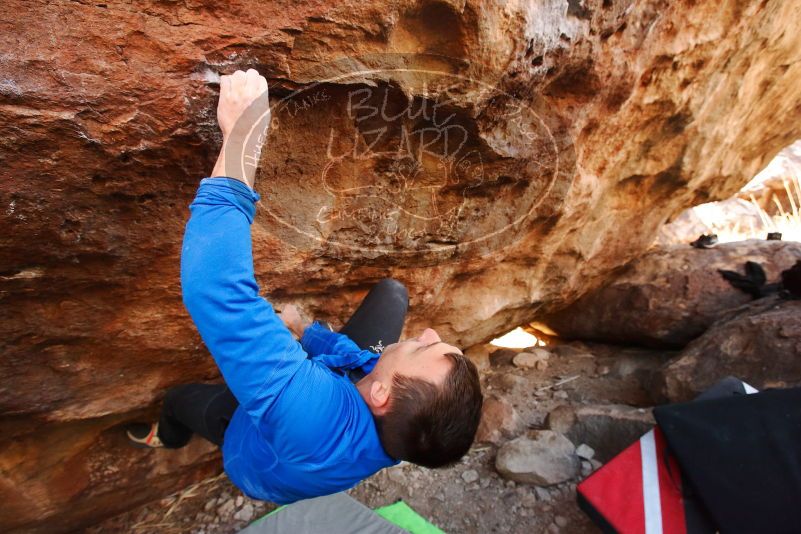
[500, 159]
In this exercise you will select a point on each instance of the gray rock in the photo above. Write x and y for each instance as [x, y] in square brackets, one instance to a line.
[585, 451]
[471, 475]
[542, 457]
[560, 521]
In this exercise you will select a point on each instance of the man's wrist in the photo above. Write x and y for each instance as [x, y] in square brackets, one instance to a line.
[226, 164]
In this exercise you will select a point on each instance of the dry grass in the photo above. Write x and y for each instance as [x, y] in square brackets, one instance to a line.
[786, 219]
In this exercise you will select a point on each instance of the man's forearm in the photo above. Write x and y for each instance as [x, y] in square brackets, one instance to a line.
[235, 166]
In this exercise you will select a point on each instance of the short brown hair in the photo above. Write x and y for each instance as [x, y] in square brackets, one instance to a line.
[429, 425]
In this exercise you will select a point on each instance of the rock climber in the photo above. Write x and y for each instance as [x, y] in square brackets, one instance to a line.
[300, 418]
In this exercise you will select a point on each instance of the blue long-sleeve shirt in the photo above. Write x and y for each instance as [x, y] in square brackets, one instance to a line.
[301, 429]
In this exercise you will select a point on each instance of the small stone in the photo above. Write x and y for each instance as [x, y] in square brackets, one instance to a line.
[209, 505]
[542, 494]
[245, 514]
[596, 465]
[553, 528]
[226, 509]
[560, 521]
[586, 468]
[603, 370]
[471, 475]
[534, 359]
[395, 474]
[240, 500]
[528, 498]
[585, 451]
[560, 395]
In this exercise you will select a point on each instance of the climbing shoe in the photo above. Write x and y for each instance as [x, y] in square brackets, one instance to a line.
[144, 435]
[705, 241]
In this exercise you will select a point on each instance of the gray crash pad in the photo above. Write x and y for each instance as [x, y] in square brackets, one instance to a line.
[333, 514]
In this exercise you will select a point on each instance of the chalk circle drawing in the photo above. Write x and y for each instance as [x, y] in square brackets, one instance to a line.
[391, 162]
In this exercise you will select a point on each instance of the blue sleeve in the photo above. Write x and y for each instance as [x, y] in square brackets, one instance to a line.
[255, 352]
[336, 349]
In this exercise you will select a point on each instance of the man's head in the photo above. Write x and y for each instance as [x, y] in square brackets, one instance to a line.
[426, 398]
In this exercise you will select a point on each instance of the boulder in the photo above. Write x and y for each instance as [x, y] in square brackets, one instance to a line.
[607, 429]
[499, 420]
[502, 357]
[498, 158]
[542, 457]
[670, 295]
[759, 343]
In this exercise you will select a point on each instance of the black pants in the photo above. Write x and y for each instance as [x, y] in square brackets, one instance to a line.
[206, 409]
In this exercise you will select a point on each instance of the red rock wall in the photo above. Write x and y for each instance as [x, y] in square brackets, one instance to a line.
[584, 126]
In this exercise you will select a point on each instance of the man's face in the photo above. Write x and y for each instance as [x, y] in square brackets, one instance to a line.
[421, 357]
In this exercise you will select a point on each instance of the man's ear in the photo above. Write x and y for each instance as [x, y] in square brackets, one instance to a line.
[379, 397]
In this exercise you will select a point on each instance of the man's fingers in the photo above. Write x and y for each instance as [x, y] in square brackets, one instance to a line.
[256, 81]
[225, 85]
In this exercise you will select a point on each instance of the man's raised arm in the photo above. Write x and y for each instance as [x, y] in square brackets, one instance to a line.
[255, 352]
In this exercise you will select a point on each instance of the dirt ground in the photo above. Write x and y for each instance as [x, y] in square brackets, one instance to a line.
[470, 497]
